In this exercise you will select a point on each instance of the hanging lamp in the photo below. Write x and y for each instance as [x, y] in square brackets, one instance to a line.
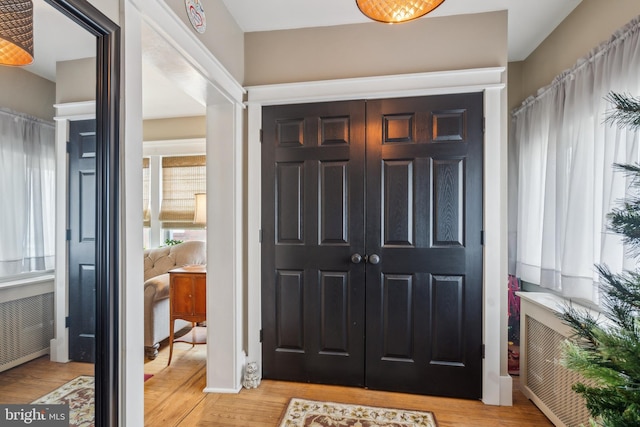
[396, 11]
[16, 32]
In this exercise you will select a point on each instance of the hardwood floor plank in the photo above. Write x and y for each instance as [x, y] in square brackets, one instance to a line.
[264, 406]
[27, 382]
[174, 396]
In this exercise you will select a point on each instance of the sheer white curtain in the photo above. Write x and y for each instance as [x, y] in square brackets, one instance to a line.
[563, 172]
[27, 186]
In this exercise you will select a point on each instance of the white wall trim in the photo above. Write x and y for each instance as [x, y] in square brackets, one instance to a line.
[65, 113]
[131, 241]
[403, 85]
[487, 80]
[497, 385]
[174, 147]
[76, 110]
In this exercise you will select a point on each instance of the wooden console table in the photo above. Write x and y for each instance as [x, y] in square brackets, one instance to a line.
[187, 301]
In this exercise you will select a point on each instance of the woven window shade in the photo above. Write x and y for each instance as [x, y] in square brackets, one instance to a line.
[182, 178]
[146, 190]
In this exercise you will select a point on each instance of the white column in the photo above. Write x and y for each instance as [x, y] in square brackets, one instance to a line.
[225, 358]
[254, 255]
[131, 250]
[497, 384]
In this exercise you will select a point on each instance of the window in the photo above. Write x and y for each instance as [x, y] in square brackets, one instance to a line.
[173, 172]
[27, 184]
[182, 178]
[566, 183]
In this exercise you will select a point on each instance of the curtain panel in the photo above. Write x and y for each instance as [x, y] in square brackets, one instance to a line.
[563, 183]
[27, 184]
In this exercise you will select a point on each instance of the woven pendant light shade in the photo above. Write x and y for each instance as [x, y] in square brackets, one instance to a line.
[16, 32]
[395, 11]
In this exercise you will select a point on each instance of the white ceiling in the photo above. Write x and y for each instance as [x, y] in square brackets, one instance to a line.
[58, 39]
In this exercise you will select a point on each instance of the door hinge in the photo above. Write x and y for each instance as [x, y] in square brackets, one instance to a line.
[483, 351]
[68, 234]
[261, 335]
[67, 322]
[68, 147]
[484, 124]
[482, 237]
[260, 235]
[261, 134]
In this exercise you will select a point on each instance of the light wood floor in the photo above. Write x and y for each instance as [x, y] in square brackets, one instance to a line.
[173, 396]
[26, 383]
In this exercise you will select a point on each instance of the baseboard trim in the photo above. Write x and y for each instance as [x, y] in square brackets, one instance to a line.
[506, 390]
[222, 390]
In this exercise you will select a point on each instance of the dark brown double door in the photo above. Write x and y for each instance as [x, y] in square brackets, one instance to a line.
[372, 244]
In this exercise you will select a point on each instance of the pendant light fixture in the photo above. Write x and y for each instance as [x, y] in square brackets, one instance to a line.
[16, 32]
[396, 11]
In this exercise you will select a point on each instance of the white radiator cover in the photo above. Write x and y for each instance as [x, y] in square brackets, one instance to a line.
[26, 321]
[542, 377]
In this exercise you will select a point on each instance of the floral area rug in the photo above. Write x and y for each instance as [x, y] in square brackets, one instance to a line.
[79, 395]
[309, 413]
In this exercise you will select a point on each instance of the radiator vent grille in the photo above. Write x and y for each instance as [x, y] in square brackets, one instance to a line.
[26, 327]
[548, 379]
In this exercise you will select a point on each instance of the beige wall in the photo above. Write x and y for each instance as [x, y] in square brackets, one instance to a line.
[174, 128]
[27, 93]
[76, 80]
[223, 37]
[590, 24]
[110, 8]
[515, 84]
[370, 49]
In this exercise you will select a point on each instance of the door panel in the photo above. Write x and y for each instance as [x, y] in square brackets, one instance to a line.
[424, 220]
[82, 241]
[412, 321]
[313, 221]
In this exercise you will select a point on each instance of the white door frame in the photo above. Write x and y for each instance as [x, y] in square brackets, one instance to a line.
[497, 386]
[65, 113]
[214, 87]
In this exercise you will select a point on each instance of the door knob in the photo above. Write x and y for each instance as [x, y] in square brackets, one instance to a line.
[373, 259]
[356, 258]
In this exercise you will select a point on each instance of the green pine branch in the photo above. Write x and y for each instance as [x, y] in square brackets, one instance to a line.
[626, 111]
[605, 350]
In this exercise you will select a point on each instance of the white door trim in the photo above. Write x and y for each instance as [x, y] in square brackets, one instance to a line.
[496, 381]
[65, 113]
[214, 87]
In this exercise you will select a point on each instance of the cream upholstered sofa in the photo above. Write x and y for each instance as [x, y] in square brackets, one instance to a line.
[157, 263]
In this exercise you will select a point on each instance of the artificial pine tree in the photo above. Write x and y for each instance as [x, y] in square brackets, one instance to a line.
[606, 348]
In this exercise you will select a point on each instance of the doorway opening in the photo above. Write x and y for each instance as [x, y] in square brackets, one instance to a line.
[174, 232]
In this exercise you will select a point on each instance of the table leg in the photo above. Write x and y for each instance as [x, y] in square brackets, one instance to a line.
[171, 325]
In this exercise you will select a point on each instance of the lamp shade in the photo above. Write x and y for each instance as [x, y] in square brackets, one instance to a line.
[200, 216]
[396, 11]
[16, 32]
